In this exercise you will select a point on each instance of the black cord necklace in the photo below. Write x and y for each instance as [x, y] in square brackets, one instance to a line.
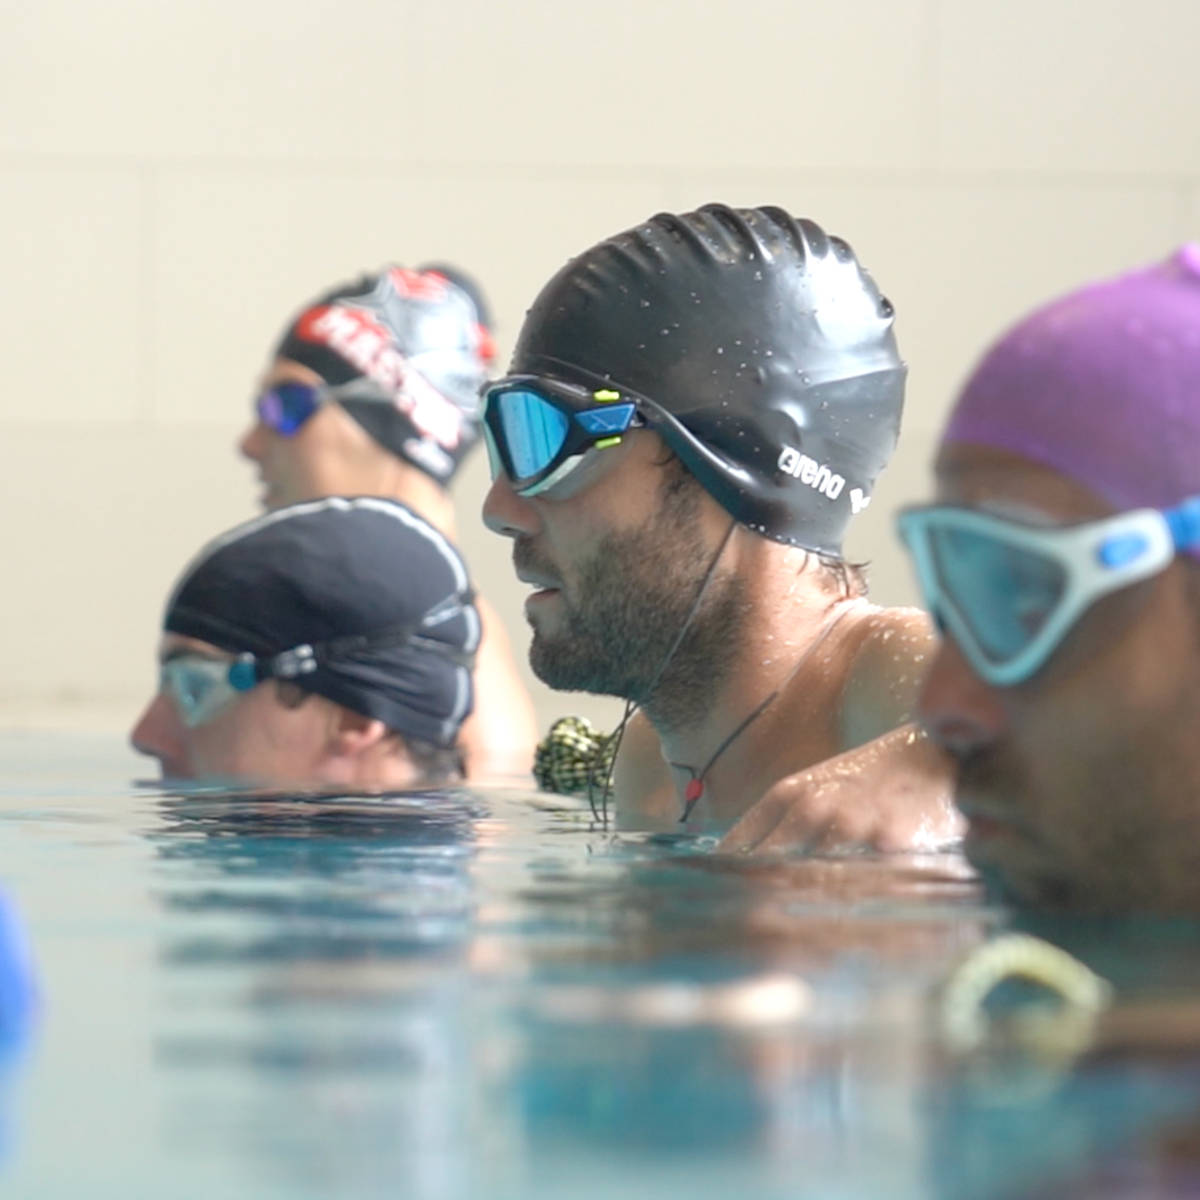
[695, 785]
[631, 705]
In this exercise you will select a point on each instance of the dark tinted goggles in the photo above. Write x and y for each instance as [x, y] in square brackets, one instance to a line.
[538, 429]
[286, 406]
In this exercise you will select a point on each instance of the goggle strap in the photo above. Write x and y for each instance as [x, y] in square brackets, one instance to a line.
[1184, 523]
[250, 669]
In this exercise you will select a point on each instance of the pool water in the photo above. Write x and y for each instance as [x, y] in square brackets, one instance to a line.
[484, 995]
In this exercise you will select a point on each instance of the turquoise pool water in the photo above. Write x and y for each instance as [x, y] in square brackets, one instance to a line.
[485, 996]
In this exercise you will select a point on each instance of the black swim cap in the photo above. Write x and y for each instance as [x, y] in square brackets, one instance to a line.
[769, 348]
[368, 573]
[418, 344]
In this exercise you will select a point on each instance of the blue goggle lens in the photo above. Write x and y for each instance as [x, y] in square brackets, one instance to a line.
[1005, 594]
[535, 431]
[286, 406]
[200, 687]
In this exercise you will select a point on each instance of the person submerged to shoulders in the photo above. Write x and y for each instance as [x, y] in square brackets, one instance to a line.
[695, 410]
[872, 660]
[325, 645]
[373, 390]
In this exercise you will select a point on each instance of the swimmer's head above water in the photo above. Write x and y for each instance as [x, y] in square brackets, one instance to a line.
[753, 344]
[326, 644]
[695, 409]
[373, 377]
[1060, 561]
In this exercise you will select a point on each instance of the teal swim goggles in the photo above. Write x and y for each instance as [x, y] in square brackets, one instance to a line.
[538, 429]
[201, 685]
[1008, 592]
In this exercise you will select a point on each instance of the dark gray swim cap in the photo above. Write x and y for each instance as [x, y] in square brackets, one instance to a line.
[418, 346]
[769, 348]
[375, 591]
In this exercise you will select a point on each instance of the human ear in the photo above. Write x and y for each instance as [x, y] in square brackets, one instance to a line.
[353, 733]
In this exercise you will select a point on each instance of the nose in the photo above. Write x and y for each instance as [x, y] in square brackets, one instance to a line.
[158, 733]
[251, 442]
[506, 513]
[957, 709]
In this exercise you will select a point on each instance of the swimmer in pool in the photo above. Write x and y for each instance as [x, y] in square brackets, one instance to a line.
[695, 410]
[1062, 560]
[373, 389]
[327, 644]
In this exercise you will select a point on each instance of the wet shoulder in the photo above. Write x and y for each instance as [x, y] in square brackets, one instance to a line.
[891, 648]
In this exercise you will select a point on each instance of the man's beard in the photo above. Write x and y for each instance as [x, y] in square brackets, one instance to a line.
[627, 606]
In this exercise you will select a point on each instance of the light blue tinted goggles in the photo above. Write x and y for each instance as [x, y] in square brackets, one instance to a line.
[200, 687]
[1008, 593]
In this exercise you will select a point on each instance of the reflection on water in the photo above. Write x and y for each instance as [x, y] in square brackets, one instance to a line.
[460, 995]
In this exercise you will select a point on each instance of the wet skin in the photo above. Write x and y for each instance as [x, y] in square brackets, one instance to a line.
[861, 685]
[559, 541]
[1081, 785]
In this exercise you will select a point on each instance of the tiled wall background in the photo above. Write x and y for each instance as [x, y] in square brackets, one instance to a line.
[174, 179]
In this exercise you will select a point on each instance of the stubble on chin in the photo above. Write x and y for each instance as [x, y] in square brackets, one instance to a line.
[627, 603]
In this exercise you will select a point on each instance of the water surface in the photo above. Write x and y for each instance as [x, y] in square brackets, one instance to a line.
[484, 995]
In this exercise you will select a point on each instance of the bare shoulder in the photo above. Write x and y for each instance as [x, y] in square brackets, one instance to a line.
[643, 791]
[892, 647]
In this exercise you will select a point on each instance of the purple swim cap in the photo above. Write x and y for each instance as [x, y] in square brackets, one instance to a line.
[1102, 386]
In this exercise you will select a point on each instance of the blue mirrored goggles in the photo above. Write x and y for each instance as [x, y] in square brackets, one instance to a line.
[1008, 592]
[538, 429]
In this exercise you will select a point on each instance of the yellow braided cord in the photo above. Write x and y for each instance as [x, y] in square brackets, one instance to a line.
[570, 755]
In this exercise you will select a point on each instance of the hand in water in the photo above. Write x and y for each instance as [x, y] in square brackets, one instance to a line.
[894, 794]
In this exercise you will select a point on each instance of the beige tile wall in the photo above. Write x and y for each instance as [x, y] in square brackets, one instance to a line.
[175, 179]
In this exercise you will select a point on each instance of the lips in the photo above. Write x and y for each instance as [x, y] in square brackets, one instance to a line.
[540, 584]
[533, 570]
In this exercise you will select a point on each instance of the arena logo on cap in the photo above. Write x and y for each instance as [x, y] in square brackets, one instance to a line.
[355, 334]
[816, 475]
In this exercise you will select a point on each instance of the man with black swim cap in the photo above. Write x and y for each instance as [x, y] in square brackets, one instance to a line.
[695, 409]
[325, 644]
[373, 389]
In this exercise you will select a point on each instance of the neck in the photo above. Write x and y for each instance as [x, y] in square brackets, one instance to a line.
[399, 481]
[787, 635]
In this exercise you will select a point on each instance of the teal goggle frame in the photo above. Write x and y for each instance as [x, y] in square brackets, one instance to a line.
[1008, 592]
[201, 686]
